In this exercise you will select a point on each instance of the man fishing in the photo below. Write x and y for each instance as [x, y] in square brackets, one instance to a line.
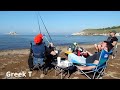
[41, 51]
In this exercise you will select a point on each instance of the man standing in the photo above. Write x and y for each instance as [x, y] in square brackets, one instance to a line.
[112, 39]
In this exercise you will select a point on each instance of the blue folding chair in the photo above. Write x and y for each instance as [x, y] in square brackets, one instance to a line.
[100, 67]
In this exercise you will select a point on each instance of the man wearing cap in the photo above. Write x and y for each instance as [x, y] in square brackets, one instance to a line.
[40, 50]
[112, 39]
[37, 51]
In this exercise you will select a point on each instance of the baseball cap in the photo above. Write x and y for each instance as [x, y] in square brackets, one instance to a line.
[38, 38]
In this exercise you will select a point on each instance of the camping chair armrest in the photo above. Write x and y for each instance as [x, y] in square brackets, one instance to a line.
[90, 64]
[87, 64]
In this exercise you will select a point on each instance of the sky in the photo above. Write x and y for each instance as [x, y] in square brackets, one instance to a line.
[56, 22]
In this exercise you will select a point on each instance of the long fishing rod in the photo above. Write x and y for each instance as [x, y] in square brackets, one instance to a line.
[45, 27]
[46, 39]
[40, 29]
[38, 23]
[46, 30]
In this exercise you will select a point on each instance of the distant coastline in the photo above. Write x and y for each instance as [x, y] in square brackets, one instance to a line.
[98, 32]
[95, 34]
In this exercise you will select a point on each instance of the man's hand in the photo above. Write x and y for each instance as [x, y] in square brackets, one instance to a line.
[51, 44]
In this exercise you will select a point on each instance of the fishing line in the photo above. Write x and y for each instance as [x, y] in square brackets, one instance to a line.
[38, 23]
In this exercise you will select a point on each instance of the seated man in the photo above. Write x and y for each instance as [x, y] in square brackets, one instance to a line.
[93, 58]
[38, 51]
[112, 39]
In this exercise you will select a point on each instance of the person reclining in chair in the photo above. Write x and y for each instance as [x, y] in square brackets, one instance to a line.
[93, 58]
[39, 50]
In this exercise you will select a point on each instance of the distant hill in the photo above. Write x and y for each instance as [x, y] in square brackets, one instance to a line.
[100, 31]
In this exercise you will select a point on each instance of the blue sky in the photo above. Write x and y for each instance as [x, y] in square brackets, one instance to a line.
[25, 22]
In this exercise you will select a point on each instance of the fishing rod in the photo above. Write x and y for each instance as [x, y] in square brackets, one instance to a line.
[46, 39]
[38, 23]
[45, 27]
[40, 29]
[46, 30]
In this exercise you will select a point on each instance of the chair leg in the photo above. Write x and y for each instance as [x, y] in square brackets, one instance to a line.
[68, 74]
[55, 72]
[61, 73]
[86, 75]
[94, 75]
[101, 73]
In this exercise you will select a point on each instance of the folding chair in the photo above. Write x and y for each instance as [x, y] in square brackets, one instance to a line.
[38, 63]
[42, 64]
[100, 67]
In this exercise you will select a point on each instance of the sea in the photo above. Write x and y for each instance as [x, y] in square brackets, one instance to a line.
[10, 42]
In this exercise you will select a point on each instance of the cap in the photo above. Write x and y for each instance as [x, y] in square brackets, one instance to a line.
[40, 35]
[38, 38]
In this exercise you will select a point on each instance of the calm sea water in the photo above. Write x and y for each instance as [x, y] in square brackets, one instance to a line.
[23, 41]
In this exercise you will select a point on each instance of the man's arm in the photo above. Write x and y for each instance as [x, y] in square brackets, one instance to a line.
[89, 53]
[114, 43]
[53, 53]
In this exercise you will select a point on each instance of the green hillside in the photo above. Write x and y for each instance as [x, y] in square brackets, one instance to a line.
[102, 30]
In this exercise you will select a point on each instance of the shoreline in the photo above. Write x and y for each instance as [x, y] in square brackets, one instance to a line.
[26, 50]
[65, 45]
[59, 47]
[87, 46]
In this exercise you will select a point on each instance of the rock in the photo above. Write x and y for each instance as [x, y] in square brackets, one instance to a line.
[42, 76]
[75, 78]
